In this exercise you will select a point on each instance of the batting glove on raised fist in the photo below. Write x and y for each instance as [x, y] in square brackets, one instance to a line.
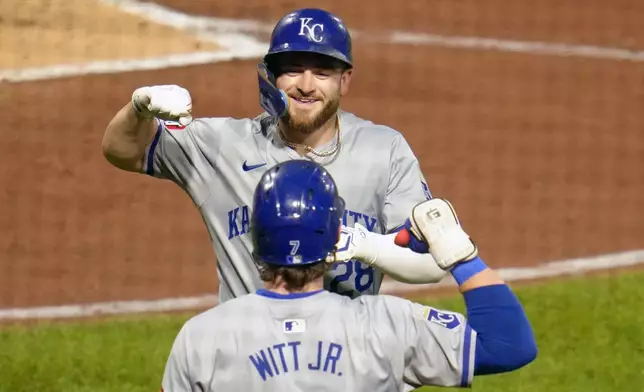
[166, 102]
[435, 229]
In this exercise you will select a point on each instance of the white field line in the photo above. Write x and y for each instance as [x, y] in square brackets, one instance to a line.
[552, 269]
[118, 66]
[236, 38]
[529, 47]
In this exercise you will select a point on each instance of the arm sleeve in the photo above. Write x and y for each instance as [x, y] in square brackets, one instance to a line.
[176, 377]
[407, 186]
[184, 155]
[438, 345]
[505, 340]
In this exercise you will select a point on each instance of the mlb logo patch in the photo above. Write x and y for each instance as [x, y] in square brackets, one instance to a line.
[294, 326]
[296, 259]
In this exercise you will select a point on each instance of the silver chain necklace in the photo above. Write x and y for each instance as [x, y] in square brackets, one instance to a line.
[310, 149]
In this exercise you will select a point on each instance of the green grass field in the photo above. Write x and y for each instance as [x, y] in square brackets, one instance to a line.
[590, 333]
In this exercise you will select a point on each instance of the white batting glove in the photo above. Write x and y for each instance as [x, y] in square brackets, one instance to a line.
[353, 244]
[166, 102]
[435, 223]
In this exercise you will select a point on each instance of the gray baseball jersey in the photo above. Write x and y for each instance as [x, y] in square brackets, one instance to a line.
[320, 341]
[219, 161]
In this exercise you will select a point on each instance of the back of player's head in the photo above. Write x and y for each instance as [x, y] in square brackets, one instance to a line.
[296, 214]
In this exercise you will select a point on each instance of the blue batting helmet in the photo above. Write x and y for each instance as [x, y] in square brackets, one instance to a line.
[309, 30]
[312, 30]
[297, 214]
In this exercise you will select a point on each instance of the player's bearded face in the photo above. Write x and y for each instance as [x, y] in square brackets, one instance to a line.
[314, 94]
[306, 113]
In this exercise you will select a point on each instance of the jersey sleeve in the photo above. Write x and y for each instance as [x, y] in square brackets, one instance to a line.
[406, 186]
[176, 377]
[184, 155]
[438, 346]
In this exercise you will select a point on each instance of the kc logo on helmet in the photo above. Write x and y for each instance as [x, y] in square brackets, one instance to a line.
[307, 29]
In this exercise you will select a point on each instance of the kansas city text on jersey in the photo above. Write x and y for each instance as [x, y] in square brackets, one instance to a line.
[239, 221]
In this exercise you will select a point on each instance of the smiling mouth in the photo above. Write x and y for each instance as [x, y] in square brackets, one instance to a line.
[304, 100]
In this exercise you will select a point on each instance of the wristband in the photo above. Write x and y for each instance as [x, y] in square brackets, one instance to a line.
[463, 271]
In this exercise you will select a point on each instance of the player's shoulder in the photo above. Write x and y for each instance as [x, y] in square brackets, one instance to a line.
[380, 314]
[386, 307]
[382, 300]
[365, 127]
[229, 126]
[213, 319]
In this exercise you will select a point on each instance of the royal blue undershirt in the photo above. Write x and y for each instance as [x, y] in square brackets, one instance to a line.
[504, 339]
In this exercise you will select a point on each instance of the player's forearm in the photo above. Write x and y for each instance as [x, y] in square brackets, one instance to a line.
[402, 264]
[126, 138]
[504, 336]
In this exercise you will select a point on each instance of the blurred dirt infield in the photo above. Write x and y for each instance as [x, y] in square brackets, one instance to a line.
[50, 32]
[540, 155]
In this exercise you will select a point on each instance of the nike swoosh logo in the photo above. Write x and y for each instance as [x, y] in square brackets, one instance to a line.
[248, 167]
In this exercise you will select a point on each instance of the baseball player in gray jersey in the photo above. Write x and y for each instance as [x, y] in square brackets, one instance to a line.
[218, 161]
[294, 336]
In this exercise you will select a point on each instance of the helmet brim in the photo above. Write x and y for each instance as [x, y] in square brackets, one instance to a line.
[309, 48]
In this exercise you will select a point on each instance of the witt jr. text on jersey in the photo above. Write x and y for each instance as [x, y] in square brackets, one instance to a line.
[284, 358]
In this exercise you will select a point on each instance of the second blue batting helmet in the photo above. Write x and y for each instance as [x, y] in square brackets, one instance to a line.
[307, 30]
[296, 214]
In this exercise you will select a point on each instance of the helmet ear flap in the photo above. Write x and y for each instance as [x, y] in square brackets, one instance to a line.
[268, 70]
[273, 100]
